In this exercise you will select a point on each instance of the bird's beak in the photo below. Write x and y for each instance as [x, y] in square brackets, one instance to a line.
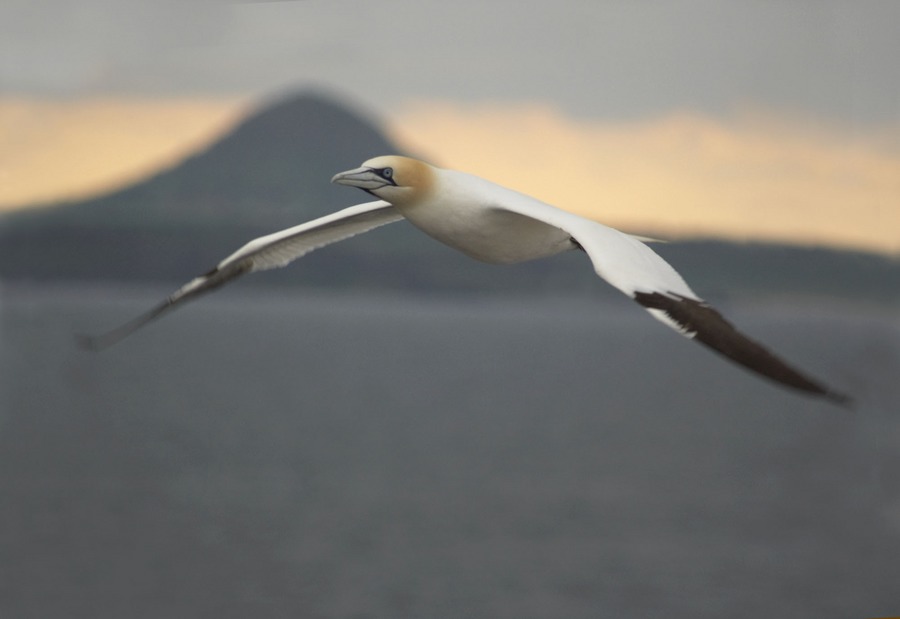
[364, 178]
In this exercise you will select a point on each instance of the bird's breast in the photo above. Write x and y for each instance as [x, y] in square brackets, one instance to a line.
[478, 226]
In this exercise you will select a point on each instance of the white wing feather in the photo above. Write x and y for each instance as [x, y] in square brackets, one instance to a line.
[635, 269]
[266, 252]
[281, 248]
[621, 259]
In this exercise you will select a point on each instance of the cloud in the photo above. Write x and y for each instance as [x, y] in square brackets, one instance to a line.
[593, 59]
[755, 177]
[759, 177]
[51, 150]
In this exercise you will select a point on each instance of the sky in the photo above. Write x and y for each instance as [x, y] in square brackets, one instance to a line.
[756, 119]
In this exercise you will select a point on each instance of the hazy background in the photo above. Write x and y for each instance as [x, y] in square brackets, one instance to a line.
[406, 433]
[342, 454]
[774, 121]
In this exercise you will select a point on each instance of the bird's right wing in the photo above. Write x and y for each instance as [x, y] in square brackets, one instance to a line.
[266, 252]
[635, 269]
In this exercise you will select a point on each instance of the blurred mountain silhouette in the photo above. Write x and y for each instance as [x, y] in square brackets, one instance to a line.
[273, 170]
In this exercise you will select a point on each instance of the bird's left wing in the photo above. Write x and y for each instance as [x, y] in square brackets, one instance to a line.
[266, 252]
[635, 269]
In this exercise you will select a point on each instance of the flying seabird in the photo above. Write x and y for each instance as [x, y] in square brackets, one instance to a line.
[492, 224]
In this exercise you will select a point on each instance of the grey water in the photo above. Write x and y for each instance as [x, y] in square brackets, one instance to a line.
[310, 454]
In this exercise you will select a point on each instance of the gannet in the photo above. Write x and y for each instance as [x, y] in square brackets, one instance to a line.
[492, 224]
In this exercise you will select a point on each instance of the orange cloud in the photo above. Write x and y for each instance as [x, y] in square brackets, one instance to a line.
[682, 175]
[52, 150]
[757, 177]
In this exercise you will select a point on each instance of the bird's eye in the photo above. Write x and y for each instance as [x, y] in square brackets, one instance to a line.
[387, 173]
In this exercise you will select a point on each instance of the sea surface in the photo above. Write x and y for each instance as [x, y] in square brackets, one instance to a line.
[308, 454]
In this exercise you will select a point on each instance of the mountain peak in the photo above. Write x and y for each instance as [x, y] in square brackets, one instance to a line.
[313, 135]
[272, 170]
[306, 120]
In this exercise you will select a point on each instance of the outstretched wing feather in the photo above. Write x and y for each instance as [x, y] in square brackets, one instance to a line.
[266, 252]
[635, 269]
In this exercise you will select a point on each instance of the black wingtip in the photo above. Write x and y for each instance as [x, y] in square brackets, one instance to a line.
[707, 326]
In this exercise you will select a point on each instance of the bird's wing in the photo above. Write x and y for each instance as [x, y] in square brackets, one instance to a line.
[266, 252]
[635, 269]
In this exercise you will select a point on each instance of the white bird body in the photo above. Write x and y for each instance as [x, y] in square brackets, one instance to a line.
[493, 224]
[466, 212]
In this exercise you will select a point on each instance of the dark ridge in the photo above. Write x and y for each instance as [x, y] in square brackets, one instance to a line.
[722, 269]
